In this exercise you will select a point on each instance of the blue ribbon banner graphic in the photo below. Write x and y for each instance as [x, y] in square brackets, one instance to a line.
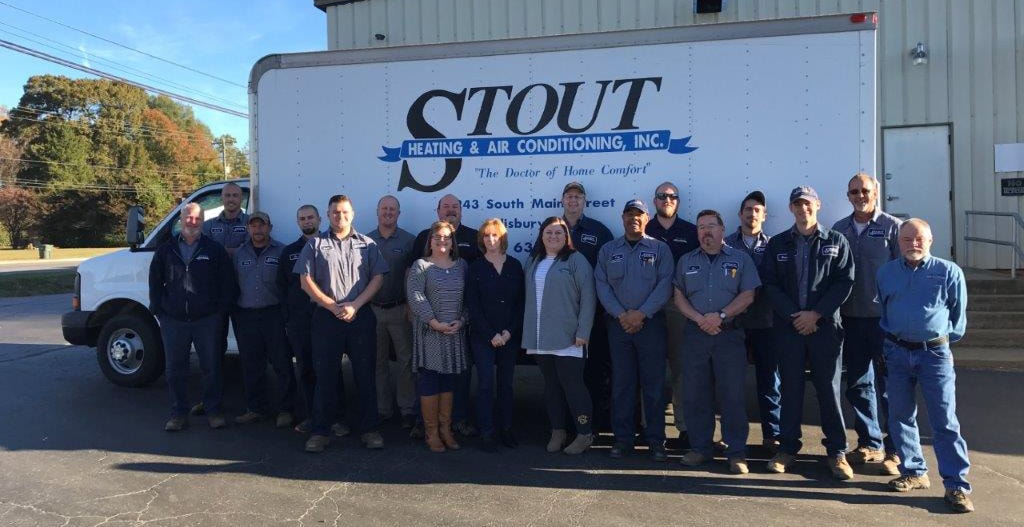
[528, 146]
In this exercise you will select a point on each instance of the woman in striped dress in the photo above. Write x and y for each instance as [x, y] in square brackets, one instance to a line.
[434, 288]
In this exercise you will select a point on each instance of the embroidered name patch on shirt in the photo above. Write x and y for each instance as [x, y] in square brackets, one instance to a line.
[246, 263]
[876, 232]
[293, 257]
[202, 257]
[693, 269]
[272, 260]
[588, 239]
[616, 258]
[830, 250]
[760, 249]
[216, 230]
[397, 250]
[647, 257]
[729, 268]
[238, 228]
[782, 257]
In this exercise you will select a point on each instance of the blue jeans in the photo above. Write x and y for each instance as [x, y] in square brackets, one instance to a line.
[640, 356]
[333, 338]
[862, 347]
[715, 365]
[932, 370]
[261, 339]
[178, 337]
[766, 371]
[823, 350]
[487, 359]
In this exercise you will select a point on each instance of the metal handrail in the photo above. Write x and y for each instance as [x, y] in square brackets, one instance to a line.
[1017, 251]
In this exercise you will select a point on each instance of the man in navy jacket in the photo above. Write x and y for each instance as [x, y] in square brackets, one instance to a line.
[191, 286]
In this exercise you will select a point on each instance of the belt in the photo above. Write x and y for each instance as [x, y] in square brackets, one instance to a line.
[917, 345]
[388, 305]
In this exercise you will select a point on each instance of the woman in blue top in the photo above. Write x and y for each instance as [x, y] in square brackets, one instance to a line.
[559, 314]
[494, 300]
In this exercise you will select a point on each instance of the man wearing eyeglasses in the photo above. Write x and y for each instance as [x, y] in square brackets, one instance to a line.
[681, 237]
[874, 240]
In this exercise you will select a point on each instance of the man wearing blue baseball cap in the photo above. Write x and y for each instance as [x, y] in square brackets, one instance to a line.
[634, 280]
[807, 274]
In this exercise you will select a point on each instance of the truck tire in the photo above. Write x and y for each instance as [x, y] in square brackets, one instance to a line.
[129, 351]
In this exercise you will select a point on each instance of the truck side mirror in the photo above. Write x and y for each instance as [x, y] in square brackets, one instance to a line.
[135, 228]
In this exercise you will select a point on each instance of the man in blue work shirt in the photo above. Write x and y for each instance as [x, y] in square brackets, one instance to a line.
[756, 321]
[588, 236]
[923, 309]
[681, 238]
[297, 310]
[190, 288]
[634, 280]
[807, 275]
[714, 284]
[873, 241]
[260, 328]
[341, 270]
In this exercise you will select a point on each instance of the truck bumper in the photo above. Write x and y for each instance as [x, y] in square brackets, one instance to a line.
[76, 328]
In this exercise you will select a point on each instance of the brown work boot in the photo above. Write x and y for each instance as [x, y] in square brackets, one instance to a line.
[428, 407]
[444, 420]
[909, 482]
[840, 468]
[864, 455]
[958, 501]
[780, 462]
[890, 465]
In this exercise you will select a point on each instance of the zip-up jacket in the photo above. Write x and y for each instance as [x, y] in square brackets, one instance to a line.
[829, 274]
[193, 289]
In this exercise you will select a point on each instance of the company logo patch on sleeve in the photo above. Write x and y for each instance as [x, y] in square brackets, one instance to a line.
[782, 257]
[615, 258]
[647, 257]
[876, 232]
[272, 260]
[830, 250]
[588, 239]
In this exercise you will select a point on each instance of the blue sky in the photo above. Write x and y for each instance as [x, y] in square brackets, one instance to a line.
[222, 38]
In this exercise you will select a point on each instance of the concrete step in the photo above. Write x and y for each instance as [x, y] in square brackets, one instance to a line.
[1002, 287]
[993, 338]
[983, 302]
[988, 358]
[995, 320]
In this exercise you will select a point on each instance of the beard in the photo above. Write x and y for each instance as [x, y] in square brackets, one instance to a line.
[308, 230]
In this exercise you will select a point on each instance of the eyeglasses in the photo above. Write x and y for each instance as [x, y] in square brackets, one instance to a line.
[862, 192]
[440, 238]
[667, 196]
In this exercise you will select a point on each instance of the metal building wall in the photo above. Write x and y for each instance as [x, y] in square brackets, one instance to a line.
[974, 79]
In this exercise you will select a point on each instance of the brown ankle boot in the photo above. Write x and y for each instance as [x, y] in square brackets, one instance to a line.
[444, 419]
[428, 406]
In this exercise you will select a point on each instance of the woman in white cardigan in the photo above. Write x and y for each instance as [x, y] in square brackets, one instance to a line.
[560, 303]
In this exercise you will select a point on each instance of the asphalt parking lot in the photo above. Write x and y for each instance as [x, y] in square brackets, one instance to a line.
[75, 450]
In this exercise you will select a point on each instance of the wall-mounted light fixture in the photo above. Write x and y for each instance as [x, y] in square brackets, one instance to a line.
[919, 54]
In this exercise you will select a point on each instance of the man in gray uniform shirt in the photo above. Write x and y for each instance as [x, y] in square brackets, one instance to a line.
[874, 240]
[229, 227]
[713, 284]
[341, 270]
[260, 326]
[393, 326]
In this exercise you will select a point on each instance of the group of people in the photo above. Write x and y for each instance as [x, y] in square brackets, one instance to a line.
[602, 317]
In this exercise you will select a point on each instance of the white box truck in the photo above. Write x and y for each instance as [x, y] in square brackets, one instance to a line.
[719, 110]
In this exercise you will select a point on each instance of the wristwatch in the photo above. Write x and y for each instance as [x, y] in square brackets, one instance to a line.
[721, 315]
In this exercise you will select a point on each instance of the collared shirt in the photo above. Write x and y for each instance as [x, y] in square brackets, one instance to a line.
[711, 285]
[396, 249]
[802, 257]
[588, 236]
[465, 239]
[295, 303]
[341, 268]
[229, 233]
[876, 244]
[187, 249]
[759, 314]
[922, 303]
[634, 277]
[681, 236]
[257, 274]
[828, 278]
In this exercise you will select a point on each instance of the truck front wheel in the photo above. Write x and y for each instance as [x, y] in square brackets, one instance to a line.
[129, 351]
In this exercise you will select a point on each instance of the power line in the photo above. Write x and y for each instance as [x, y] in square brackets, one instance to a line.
[145, 130]
[112, 64]
[127, 169]
[63, 62]
[121, 45]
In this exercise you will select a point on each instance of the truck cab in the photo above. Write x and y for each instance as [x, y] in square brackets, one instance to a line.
[110, 305]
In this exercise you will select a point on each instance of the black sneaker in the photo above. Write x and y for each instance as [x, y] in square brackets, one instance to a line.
[658, 453]
[679, 443]
[416, 432]
[620, 450]
[408, 421]
[507, 438]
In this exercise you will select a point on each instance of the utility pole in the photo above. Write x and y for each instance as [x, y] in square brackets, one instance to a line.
[223, 142]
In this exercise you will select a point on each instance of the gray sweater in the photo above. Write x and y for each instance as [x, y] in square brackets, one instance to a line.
[567, 304]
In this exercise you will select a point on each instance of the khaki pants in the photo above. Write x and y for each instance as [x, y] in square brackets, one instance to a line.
[394, 328]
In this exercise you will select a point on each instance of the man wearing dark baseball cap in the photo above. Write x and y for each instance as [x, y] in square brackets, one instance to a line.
[756, 321]
[634, 280]
[807, 274]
